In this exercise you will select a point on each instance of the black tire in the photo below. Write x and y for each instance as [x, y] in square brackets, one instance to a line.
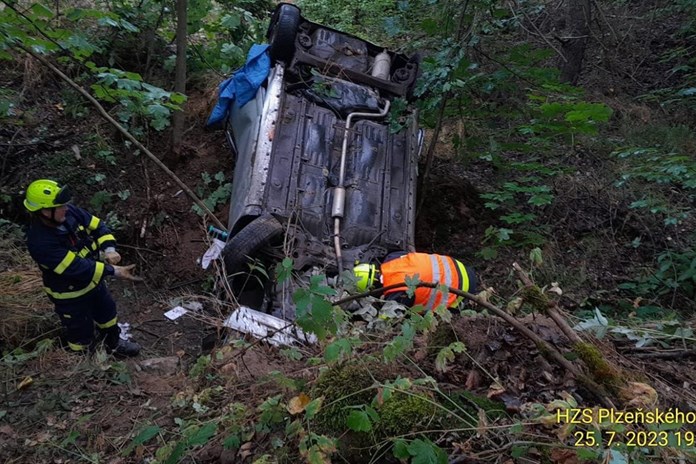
[282, 31]
[257, 234]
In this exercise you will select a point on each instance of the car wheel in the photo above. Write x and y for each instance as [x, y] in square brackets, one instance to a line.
[282, 31]
[254, 236]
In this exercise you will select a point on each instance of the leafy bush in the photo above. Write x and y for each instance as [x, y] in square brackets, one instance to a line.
[214, 191]
[136, 98]
[674, 276]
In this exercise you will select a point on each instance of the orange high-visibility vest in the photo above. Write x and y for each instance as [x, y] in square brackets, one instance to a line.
[430, 268]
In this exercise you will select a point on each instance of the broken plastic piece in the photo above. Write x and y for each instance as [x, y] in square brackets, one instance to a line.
[212, 253]
[261, 325]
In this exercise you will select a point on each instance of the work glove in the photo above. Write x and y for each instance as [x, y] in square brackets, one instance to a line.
[111, 256]
[124, 272]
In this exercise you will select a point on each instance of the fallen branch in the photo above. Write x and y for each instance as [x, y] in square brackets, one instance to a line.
[545, 348]
[125, 133]
[665, 354]
[551, 309]
[601, 370]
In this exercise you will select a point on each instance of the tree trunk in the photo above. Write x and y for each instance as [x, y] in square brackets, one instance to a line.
[578, 15]
[180, 77]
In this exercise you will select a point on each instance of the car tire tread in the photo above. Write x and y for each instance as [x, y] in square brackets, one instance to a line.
[282, 32]
[248, 241]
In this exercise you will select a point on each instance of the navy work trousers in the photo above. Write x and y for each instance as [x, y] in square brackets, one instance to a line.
[80, 315]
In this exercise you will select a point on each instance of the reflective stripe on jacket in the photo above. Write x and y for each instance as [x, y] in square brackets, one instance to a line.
[68, 255]
[429, 268]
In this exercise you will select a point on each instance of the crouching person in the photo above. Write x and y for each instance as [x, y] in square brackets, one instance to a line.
[65, 241]
[400, 266]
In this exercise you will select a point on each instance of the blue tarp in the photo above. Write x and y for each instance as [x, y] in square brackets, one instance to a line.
[242, 86]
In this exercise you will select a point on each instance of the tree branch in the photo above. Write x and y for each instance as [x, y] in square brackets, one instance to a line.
[125, 133]
[545, 348]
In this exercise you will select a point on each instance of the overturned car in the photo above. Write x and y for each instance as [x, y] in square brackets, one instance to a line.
[325, 171]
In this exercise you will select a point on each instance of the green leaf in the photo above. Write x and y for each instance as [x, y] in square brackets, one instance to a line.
[337, 350]
[302, 298]
[317, 285]
[615, 457]
[294, 428]
[488, 253]
[107, 78]
[70, 439]
[446, 355]
[176, 453]
[313, 407]
[402, 383]
[42, 47]
[154, 92]
[426, 452]
[231, 21]
[374, 417]
[106, 21]
[40, 10]
[517, 218]
[503, 234]
[400, 344]
[588, 454]
[584, 111]
[324, 290]
[160, 116]
[322, 310]
[359, 421]
[128, 84]
[400, 450]
[518, 451]
[292, 353]
[177, 98]
[516, 428]
[540, 199]
[441, 310]
[5, 107]
[143, 436]
[203, 435]
[411, 284]
[127, 26]
[81, 46]
[535, 257]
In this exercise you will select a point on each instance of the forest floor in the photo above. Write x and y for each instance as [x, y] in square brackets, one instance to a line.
[59, 407]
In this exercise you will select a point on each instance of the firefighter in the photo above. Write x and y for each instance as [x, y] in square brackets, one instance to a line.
[438, 269]
[65, 241]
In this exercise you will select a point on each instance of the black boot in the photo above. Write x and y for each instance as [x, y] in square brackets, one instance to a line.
[116, 345]
[126, 348]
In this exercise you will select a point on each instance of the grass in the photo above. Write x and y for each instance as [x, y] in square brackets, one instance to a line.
[27, 312]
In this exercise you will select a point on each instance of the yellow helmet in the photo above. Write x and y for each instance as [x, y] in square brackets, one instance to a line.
[46, 193]
[366, 275]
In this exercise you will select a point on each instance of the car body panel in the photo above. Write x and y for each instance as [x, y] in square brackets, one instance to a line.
[289, 142]
[288, 152]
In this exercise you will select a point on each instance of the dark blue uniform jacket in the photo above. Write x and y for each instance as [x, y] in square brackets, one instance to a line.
[68, 255]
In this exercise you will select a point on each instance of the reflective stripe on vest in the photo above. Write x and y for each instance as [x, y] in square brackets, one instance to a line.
[96, 279]
[435, 272]
[63, 265]
[108, 324]
[105, 238]
[93, 223]
[86, 251]
[437, 269]
[76, 346]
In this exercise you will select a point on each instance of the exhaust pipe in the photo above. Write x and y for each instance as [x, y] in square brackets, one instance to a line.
[339, 193]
